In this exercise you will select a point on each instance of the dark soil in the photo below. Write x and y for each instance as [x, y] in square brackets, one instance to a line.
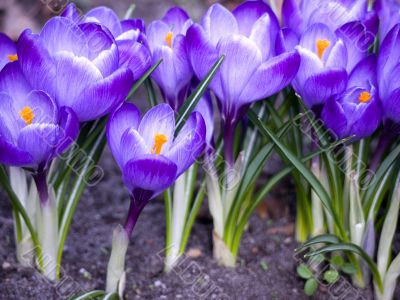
[266, 265]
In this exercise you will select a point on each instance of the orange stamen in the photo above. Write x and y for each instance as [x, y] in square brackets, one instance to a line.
[322, 45]
[364, 97]
[12, 57]
[159, 140]
[168, 39]
[27, 115]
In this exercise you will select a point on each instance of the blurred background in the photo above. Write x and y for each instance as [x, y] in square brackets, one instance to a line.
[16, 15]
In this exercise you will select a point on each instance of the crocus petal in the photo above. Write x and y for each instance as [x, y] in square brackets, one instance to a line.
[318, 88]
[105, 16]
[189, 144]
[264, 36]
[338, 56]
[364, 73]
[71, 12]
[63, 34]
[74, 75]
[367, 120]
[103, 51]
[39, 140]
[203, 56]
[36, 63]
[10, 120]
[271, 77]
[249, 12]
[13, 81]
[69, 128]
[43, 106]
[176, 18]
[101, 97]
[286, 40]
[134, 56]
[334, 118]
[175, 72]
[126, 116]
[241, 54]
[12, 155]
[158, 120]
[7, 47]
[205, 108]
[133, 24]
[150, 172]
[292, 16]
[310, 65]
[357, 40]
[132, 146]
[391, 106]
[219, 22]
[157, 33]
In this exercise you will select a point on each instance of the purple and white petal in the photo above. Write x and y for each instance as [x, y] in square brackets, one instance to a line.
[103, 96]
[158, 120]
[150, 173]
[106, 17]
[7, 48]
[189, 144]
[132, 146]
[125, 117]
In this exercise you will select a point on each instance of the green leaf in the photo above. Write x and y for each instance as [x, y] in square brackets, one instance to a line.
[337, 260]
[195, 97]
[348, 268]
[320, 239]
[304, 272]
[143, 78]
[88, 296]
[310, 287]
[355, 249]
[264, 265]
[331, 276]
[302, 168]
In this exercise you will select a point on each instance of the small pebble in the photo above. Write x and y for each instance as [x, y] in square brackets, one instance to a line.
[194, 252]
[158, 283]
[85, 273]
[6, 265]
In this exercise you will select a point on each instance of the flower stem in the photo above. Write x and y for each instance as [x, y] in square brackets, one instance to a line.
[384, 143]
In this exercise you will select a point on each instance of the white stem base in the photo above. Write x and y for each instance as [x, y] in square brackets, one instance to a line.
[116, 277]
[48, 236]
[221, 252]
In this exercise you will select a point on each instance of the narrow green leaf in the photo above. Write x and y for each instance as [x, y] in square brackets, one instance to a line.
[143, 78]
[195, 97]
[320, 239]
[307, 174]
[88, 296]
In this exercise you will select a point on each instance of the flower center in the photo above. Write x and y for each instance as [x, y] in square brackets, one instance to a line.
[168, 39]
[322, 45]
[159, 140]
[12, 57]
[27, 115]
[364, 97]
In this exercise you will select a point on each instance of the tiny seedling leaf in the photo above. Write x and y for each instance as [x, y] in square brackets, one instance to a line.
[348, 268]
[337, 260]
[331, 276]
[304, 272]
[310, 287]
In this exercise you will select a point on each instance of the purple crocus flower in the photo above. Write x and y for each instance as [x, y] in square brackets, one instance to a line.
[77, 65]
[348, 19]
[322, 71]
[251, 70]
[129, 36]
[150, 158]
[388, 75]
[167, 41]
[33, 130]
[8, 50]
[355, 112]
